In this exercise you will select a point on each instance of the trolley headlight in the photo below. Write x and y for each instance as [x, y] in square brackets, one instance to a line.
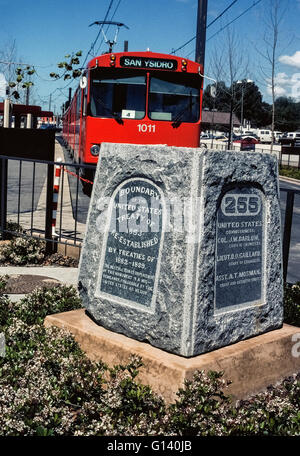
[112, 60]
[183, 65]
[95, 149]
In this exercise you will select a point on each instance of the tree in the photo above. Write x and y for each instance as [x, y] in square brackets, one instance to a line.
[264, 116]
[275, 12]
[227, 63]
[249, 94]
[287, 114]
[8, 55]
[68, 67]
[21, 73]
[16, 73]
[254, 109]
[221, 101]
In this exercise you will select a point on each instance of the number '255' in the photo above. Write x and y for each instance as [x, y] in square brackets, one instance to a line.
[235, 204]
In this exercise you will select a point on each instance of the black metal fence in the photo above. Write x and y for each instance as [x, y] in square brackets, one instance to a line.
[287, 227]
[287, 155]
[290, 156]
[29, 199]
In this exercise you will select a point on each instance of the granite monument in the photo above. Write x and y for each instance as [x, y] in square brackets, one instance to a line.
[182, 247]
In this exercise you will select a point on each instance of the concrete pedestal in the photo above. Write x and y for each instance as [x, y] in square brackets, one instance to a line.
[251, 364]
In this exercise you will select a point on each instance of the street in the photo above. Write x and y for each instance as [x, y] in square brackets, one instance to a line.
[23, 190]
[294, 256]
[75, 210]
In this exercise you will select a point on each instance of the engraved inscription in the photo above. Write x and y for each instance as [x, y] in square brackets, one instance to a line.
[239, 261]
[131, 254]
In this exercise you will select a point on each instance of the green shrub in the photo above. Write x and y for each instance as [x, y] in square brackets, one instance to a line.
[44, 379]
[5, 304]
[34, 307]
[202, 407]
[273, 412]
[22, 251]
[3, 282]
[289, 171]
[292, 304]
[49, 387]
[15, 228]
[126, 408]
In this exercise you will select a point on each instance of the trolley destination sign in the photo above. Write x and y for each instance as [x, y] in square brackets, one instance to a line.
[130, 256]
[146, 62]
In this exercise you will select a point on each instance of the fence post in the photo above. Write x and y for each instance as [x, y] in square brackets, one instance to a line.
[50, 248]
[287, 231]
[3, 196]
[55, 195]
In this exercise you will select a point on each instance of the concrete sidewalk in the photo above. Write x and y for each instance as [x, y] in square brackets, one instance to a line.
[65, 275]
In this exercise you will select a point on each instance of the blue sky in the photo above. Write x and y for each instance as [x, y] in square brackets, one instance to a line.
[44, 31]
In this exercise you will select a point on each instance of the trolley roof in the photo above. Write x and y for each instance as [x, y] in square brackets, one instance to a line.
[145, 61]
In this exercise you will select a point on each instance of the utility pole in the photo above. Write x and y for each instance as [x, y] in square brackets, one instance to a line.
[27, 95]
[6, 108]
[50, 96]
[230, 124]
[7, 113]
[201, 32]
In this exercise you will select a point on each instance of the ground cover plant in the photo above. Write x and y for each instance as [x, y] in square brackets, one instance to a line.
[292, 304]
[49, 387]
[289, 171]
[21, 251]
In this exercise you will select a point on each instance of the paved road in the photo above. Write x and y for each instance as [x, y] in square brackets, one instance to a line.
[80, 203]
[24, 185]
[294, 257]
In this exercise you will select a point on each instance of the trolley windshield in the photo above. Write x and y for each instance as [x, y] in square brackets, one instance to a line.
[119, 94]
[122, 94]
[174, 97]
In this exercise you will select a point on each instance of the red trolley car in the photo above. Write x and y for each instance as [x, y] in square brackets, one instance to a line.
[134, 97]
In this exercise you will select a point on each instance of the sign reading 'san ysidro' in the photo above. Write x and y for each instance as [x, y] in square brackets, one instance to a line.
[145, 62]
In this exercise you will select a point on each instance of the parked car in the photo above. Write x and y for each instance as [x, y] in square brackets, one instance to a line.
[221, 138]
[247, 142]
[277, 136]
[205, 136]
[291, 138]
[250, 135]
[265, 136]
[47, 126]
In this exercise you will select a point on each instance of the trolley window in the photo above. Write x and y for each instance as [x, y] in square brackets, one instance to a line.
[174, 99]
[118, 94]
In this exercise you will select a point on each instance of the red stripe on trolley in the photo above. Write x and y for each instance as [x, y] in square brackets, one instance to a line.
[56, 184]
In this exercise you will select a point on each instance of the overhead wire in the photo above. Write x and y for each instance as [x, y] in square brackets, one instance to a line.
[92, 45]
[108, 26]
[98, 34]
[90, 50]
[211, 23]
[255, 2]
[235, 19]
